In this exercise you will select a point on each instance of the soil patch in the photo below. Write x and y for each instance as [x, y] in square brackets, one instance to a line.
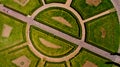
[62, 20]
[49, 44]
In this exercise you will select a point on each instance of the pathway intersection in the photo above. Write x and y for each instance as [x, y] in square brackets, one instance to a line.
[81, 44]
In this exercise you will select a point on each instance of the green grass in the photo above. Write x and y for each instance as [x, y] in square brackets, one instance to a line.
[55, 65]
[84, 56]
[36, 34]
[55, 1]
[46, 17]
[111, 25]
[17, 35]
[87, 11]
[28, 9]
[7, 58]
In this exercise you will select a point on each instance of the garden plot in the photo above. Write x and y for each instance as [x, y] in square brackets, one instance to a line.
[103, 32]
[25, 7]
[86, 10]
[22, 2]
[48, 44]
[60, 19]
[84, 56]
[12, 31]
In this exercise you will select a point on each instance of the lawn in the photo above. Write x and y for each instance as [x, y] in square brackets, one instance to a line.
[46, 15]
[55, 1]
[84, 56]
[16, 54]
[87, 11]
[17, 34]
[66, 47]
[110, 25]
[28, 9]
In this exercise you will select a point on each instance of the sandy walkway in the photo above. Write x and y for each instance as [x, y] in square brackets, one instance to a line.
[101, 14]
[35, 13]
[68, 3]
[78, 42]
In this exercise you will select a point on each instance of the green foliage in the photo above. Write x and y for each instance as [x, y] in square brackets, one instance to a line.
[28, 9]
[111, 25]
[84, 56]
[46, 17]
[17, 34]
[87, 11]
[55, 1]
[6, 59]
[55, 65]
[65, 47]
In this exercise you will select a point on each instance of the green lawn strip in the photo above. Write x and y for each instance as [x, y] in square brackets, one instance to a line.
[7, 59]
[50, 64]
[111, 25]
[66, 47]
[28, 9]
[17, 33]
[85, 55]
[45, 17]
[55, 1]
[87, 11]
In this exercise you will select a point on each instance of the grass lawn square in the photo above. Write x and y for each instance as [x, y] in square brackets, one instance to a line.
[27, 9]
[17, 34]
[7, 59]
[104, 32]
[87, 11]
[84, 56]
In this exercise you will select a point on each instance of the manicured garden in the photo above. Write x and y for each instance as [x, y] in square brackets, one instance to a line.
[84, 56]
[28, 9]
[87, 11]
[17, 34]
[36, 34]
[46, 15]
[55, 1]
[7, 59]
[107, 26]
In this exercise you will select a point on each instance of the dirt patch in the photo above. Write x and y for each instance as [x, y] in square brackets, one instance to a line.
[49, 44]
[21, 2]
[62, 20]
[22, 61]
[89, 64]
[6, 30]
[93, 2]
[103, 31]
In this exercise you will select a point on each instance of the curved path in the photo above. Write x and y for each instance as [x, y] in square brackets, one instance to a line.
[35, 13]
[40, 55]
[30, 21]
[68, 3]
[116, 4]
